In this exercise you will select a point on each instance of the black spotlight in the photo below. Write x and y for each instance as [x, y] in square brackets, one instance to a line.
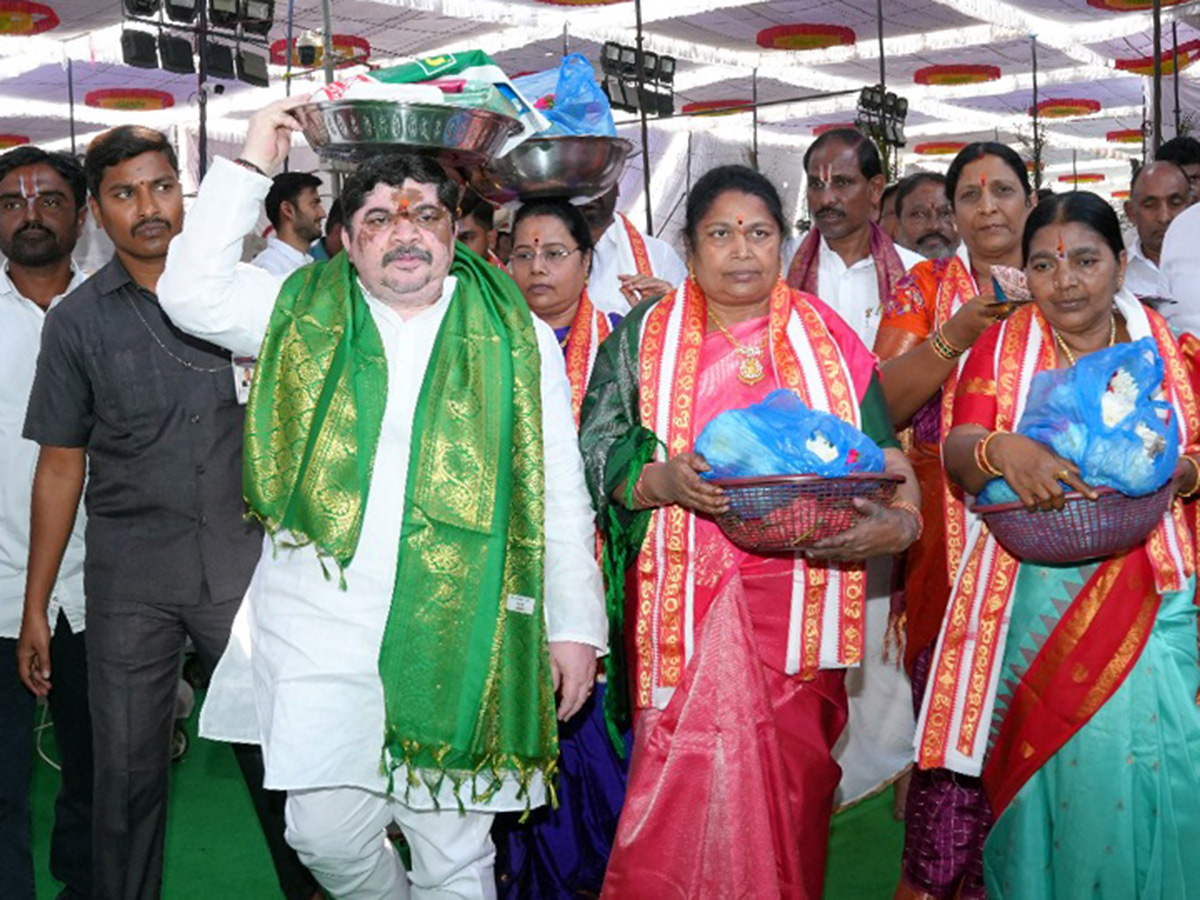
[137, 49]
[223, 14]
[176, 54]
[181, 10]
[141, 7]
[252, 68]
[218, 59]
[258, 16]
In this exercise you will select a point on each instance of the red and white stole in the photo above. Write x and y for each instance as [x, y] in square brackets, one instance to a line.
[588, 329]
[637, 246]
[960, 701]
[956, 287]
[826, 604]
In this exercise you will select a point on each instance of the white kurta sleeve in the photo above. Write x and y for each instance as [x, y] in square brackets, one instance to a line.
[573, 589]
[205, 289]
[666, 262]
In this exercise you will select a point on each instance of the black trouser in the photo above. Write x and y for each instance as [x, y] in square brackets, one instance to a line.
[71, 839]
[134, 655]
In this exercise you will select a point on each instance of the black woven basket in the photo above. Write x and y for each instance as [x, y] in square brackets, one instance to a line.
[785, 513]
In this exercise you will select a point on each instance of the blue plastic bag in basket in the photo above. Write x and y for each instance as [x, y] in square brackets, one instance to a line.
[570, 98]
[1100, 414]
[782, 436]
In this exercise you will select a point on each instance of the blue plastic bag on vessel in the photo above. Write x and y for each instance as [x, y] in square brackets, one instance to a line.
[1100, 414]
[570, 98]
[782, 436]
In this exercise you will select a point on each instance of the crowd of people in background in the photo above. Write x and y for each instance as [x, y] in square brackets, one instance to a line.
[432, 465]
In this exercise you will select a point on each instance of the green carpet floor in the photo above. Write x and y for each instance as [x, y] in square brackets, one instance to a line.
[214, 847]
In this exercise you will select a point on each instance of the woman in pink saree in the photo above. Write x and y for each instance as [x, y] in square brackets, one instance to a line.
[735, 660]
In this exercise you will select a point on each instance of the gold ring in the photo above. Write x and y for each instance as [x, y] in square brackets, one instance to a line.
[1062, 475]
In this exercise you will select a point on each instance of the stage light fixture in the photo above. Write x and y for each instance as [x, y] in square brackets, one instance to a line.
[138, 49]
[223, 14]
[628, 62]
[666, 69]
[610, 58]
[258, 16]
[176, 54]
[649, 65]
[141, 7]
[181, 10]
[252, 68]
[218, 60]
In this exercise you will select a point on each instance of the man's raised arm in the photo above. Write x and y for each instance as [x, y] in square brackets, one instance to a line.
[205, 289]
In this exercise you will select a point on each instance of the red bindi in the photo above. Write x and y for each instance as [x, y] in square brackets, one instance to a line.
[741, 221]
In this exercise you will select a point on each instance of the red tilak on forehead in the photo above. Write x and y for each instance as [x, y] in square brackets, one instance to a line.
[983, 179]
[1062, 249]
[741, 221]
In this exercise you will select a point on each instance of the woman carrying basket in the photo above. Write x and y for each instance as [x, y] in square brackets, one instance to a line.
[1072, 688]
[939, 310]
[735, 659]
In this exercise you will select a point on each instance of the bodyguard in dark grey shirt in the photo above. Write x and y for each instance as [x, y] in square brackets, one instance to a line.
[158, 414]
[152, 415]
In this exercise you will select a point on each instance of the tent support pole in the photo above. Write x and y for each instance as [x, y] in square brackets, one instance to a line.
[1156, 136]
[71, 101]
[1175, 71]
[202, 78]
[1037, 143]
[754, 86]
[641, 92]
[335, 177]
[882, 64]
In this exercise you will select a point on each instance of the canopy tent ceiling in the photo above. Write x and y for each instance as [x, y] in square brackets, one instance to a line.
[964, 65]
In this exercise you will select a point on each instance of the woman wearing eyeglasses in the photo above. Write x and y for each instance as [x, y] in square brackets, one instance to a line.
[560, 852]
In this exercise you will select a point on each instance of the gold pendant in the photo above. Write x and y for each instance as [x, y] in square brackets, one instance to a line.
[750, 370]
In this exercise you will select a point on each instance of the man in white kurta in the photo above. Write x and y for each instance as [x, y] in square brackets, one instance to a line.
[318, 697]
[627, 266]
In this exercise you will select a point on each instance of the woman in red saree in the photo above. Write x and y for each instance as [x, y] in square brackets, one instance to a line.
[735, 659]
[938, 312]
[1072, 688]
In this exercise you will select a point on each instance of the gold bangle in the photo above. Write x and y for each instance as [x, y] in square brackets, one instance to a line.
[981, 457]
[943, 348]
[1195, 488]
[913, 510]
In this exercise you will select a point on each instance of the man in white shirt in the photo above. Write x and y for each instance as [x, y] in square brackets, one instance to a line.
[295, 212]
[627, 266]
[41, 217]
[1179, 271]
[1158, 193]
[332, 654]
[850, 263]
[846, 259]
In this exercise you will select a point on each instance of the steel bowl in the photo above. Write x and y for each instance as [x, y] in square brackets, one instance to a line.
[350, 131]
[565, 166]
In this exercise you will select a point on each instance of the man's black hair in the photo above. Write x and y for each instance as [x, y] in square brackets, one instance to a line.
[286, 188]
[394, 170]
[1182, 150]
[119, 144]
[914, 181]
[63, 163]
[870, 163]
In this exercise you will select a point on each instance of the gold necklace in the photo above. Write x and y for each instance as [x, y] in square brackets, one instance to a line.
[750, 369]
[1062, 345]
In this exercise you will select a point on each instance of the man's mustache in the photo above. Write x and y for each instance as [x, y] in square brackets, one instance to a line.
[33, 227]
[404, 252]
[146, 223]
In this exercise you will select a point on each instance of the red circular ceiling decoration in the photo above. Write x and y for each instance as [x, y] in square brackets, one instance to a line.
[961, 74]
[8, 141]
[1066, 107]
[804, 36]
[129, 99]
[1188, 54]
[24, 17]
[1082, 178]
[1130, 5]
[715, 107]
[348, 49]
[1120, 195]
[831, 126]
[1124, 136]
[581, 2]
[938, 148]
